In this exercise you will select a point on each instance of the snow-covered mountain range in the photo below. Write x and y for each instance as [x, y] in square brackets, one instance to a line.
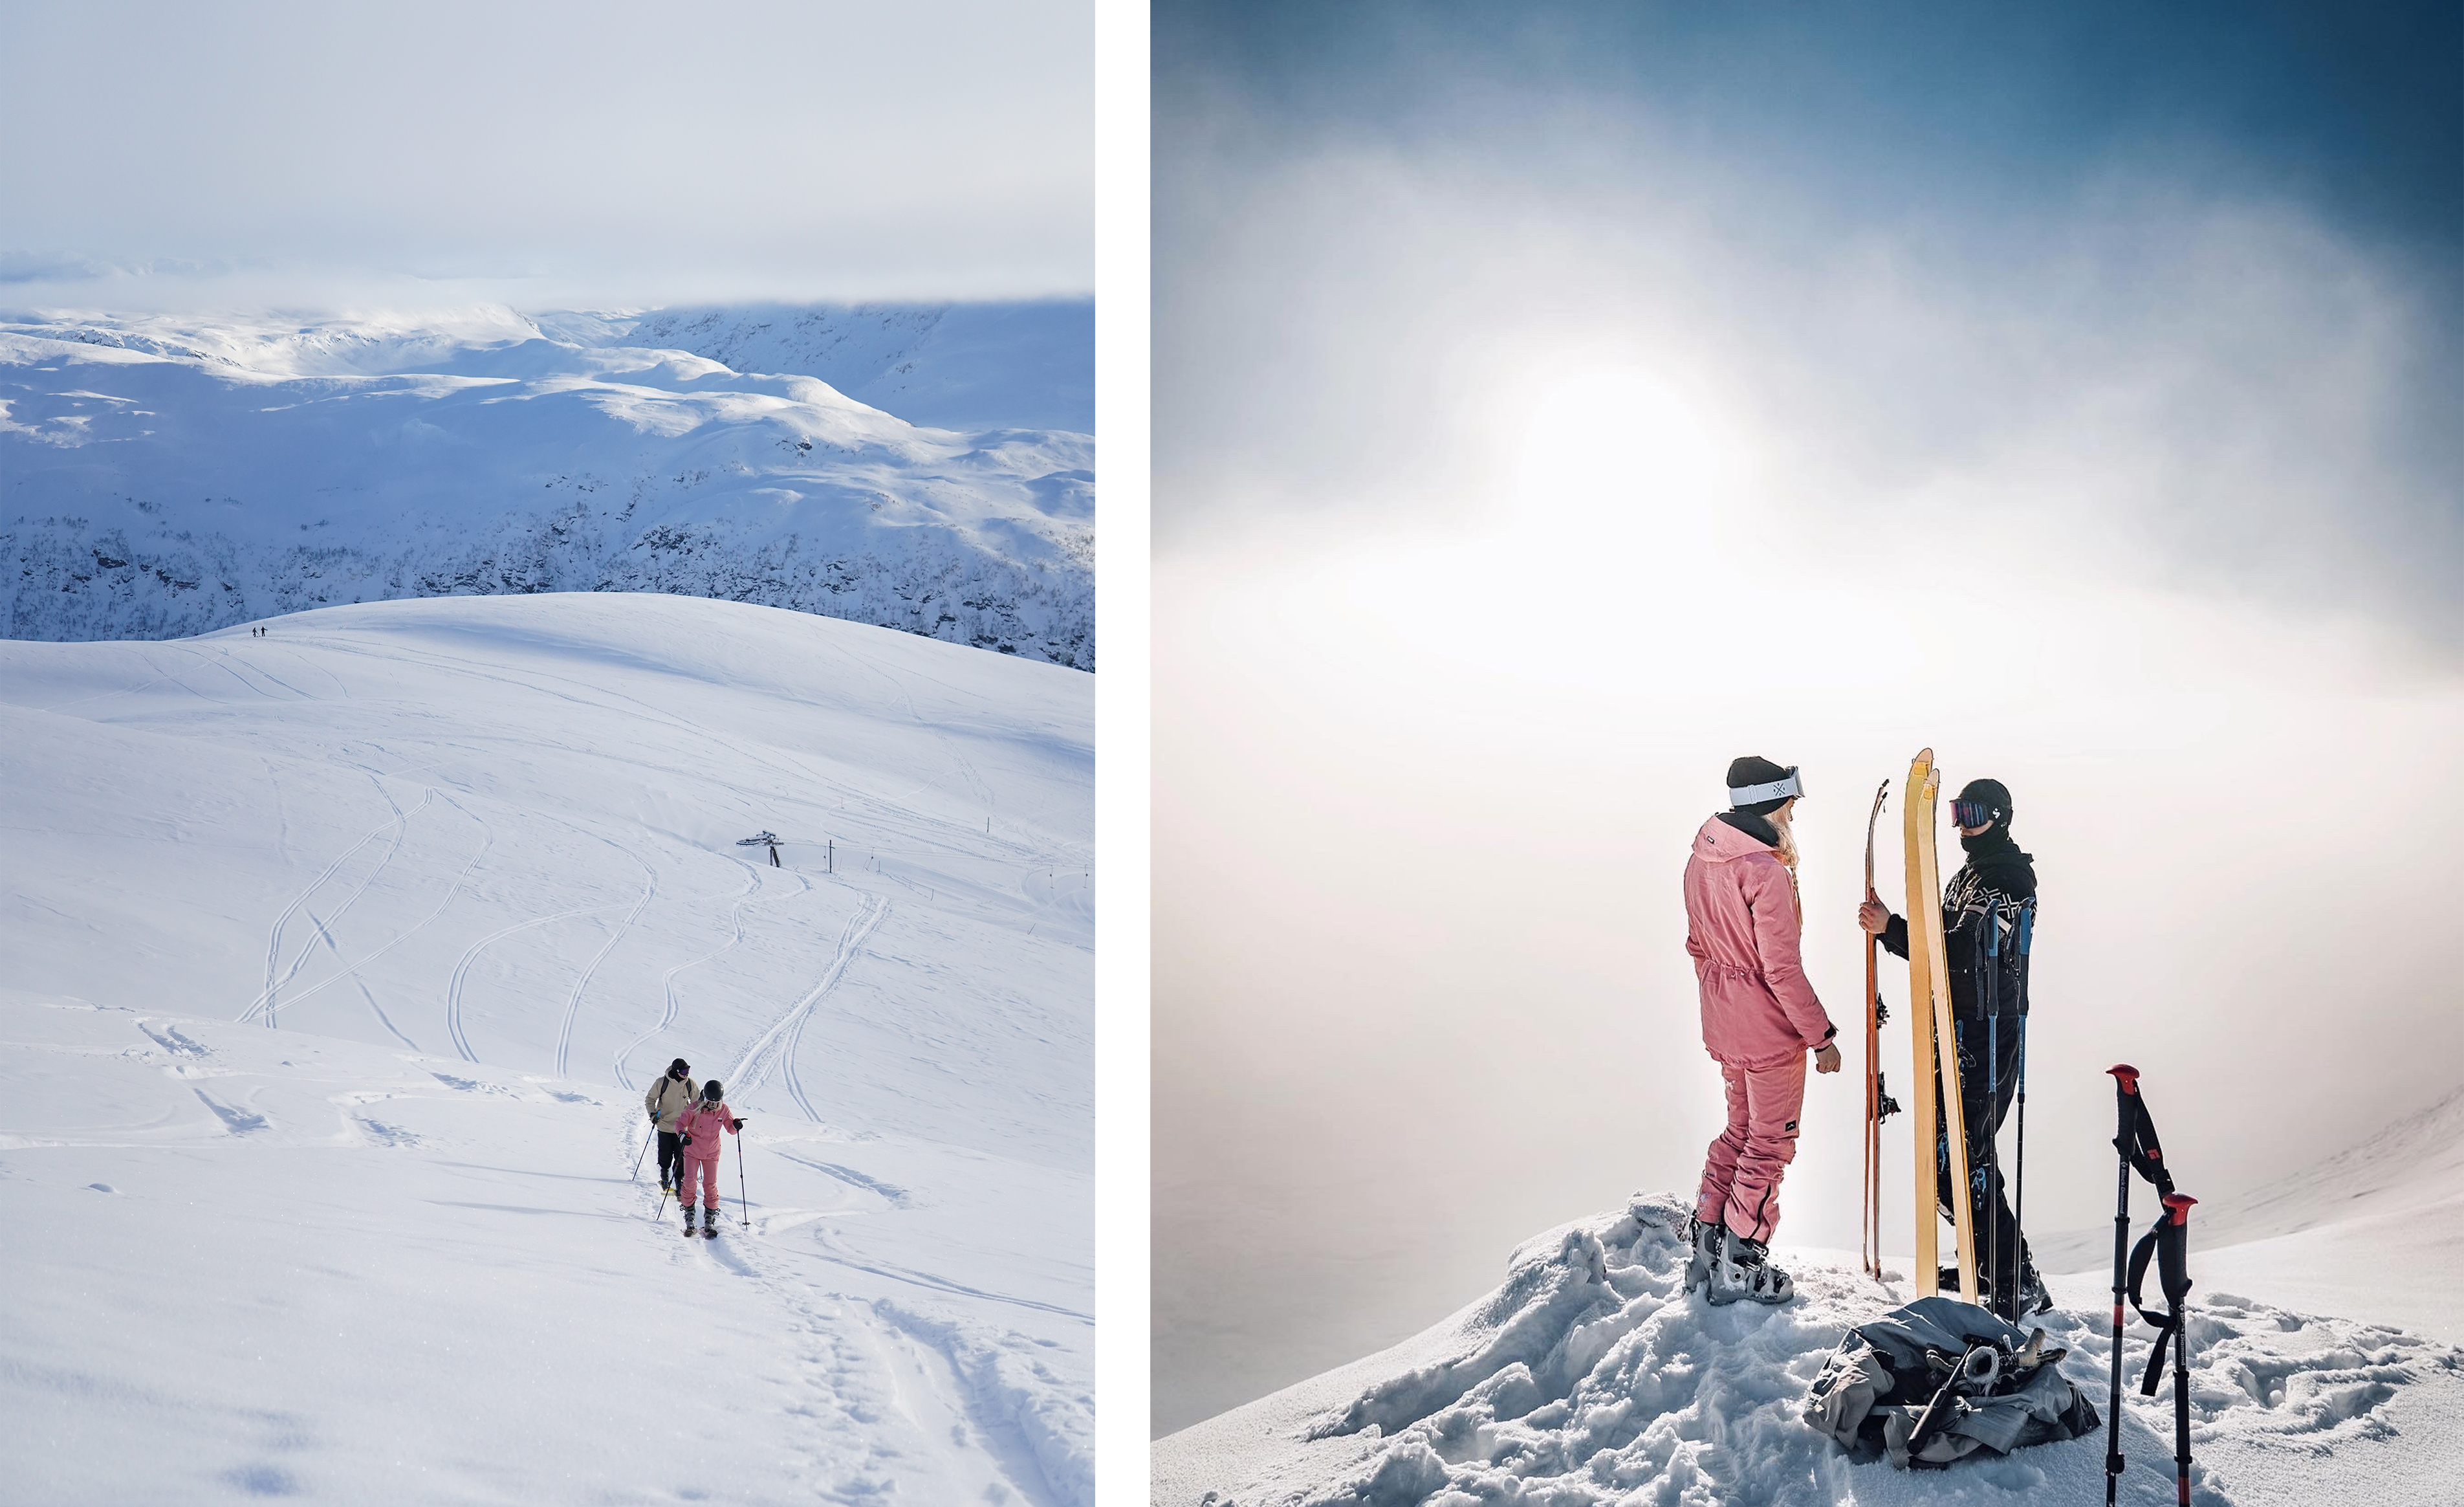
[927, 468]
[333, 965]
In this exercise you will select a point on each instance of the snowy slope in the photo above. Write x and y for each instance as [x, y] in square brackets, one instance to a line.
[2395, 1203]
[946, 365]
[332, 964]
[1590, 1377]
[162, 477]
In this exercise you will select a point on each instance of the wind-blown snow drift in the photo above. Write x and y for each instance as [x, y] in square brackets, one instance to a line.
[161, 478]
[1590, 1377]
[474, 862]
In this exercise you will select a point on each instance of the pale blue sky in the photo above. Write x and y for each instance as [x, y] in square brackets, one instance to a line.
[546, 152]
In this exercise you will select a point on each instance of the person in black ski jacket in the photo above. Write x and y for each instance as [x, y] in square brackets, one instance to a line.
[1989, 913]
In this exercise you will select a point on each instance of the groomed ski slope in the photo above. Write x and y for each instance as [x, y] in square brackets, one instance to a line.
[332, 965]
[1590, 1377]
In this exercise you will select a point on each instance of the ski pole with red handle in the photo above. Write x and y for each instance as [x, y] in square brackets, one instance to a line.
[2125, 1086]
[744, 1204]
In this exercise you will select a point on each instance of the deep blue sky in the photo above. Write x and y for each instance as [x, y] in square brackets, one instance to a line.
[2358, 111]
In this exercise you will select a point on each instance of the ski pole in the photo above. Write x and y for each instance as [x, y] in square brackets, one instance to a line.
[645, 1151]
[2178, 1205]
[2126, 1081]
[744, 1204]
[1993, 1155]
[2020, 1194]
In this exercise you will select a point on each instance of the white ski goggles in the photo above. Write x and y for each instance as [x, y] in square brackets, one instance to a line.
[1779, 789]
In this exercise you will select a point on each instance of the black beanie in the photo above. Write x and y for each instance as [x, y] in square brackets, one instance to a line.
[1751, 770]
[679, 1066]
[1993, 793]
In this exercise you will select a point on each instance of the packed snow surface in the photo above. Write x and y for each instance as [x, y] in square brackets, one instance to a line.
[162, 476]
[333, 965]
[1590, 1377]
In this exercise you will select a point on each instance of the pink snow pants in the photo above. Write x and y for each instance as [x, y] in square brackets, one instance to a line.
[1741, 1175]
[706, 1168]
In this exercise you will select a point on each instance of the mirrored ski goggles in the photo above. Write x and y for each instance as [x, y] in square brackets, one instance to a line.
[1779, 789]
[1971, 813]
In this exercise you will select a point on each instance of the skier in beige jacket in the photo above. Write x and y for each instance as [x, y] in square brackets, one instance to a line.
[668, 1099]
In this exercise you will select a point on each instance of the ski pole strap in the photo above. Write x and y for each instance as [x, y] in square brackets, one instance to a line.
[2137, 1140]
[2168, 1241]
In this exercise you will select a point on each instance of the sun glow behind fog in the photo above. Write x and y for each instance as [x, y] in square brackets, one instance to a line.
[1634, 462]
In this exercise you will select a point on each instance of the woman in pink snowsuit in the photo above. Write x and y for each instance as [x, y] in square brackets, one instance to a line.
[704, 1128]
[1760, 1018]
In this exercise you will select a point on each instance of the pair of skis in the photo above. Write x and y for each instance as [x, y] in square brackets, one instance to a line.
[1935, 1044]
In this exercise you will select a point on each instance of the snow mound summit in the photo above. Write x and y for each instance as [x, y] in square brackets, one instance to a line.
[1590, 1376]
[162, 478]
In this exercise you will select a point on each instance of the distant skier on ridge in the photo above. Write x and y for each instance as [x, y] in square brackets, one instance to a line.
[1987, 911]
[1760, 1017]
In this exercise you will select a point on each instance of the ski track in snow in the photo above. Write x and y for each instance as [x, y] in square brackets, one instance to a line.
[971, 1392]
[670, 1007]
[266, 1002]
[487, 841]
[753, 1069]
[573, 1001]
[462, 967]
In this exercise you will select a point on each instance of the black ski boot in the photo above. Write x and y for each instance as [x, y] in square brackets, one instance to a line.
[1745, 1270]
[710, 1224]
[2033, 1297]
[689, 1219]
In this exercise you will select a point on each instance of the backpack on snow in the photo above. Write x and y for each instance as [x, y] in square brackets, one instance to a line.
[1941, 1380]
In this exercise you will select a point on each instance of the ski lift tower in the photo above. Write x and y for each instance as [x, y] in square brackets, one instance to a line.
[763, 839]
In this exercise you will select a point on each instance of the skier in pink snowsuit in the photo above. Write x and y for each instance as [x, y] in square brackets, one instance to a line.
[1760, 1017]
[704, 1128]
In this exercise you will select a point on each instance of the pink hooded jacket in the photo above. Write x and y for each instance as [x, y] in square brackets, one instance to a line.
[1740, 930]
[709, 1125]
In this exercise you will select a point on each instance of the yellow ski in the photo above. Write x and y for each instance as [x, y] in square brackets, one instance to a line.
[1940, 1119]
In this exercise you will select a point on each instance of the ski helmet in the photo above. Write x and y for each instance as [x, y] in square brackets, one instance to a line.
[1981, 802]
[1758, 786]
[710, 1091]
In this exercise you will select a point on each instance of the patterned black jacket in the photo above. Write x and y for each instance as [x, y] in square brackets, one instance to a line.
[1988, 916]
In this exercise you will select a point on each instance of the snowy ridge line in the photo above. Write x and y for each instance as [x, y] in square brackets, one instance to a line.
[264, 1002]
[598, 700]
[668, 981]
[462, 969]
[487, 841]
[1007, 1379]
[753, 1069]
[573, 1001]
